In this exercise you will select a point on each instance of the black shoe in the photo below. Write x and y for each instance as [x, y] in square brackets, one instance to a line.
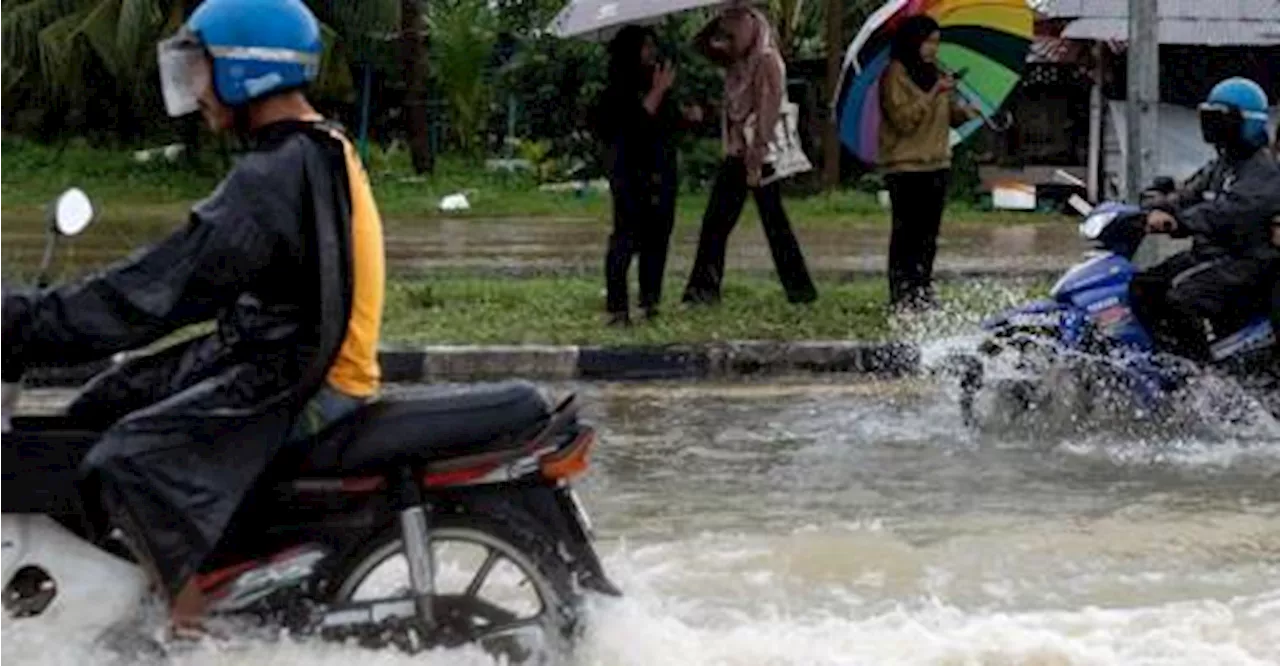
[803, 298]
[618, 319]
[701, 298]
[650, 312]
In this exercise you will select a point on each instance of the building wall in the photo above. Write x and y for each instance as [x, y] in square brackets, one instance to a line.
[1188, 72]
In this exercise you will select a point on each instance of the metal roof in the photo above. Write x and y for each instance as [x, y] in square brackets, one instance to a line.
[1195, 22]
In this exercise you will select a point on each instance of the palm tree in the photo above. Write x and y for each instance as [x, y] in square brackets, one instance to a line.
[463, 36]
[56, 50]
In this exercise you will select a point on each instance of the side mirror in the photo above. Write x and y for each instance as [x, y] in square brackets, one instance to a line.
[72, 212]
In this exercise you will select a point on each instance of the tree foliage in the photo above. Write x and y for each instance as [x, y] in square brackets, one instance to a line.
[87, 65]
[80, 57]
[462, 35]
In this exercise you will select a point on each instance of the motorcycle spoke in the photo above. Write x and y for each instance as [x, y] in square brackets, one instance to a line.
[494, 615]
[482, 574]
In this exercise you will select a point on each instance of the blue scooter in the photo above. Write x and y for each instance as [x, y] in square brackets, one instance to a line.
[1087, 329]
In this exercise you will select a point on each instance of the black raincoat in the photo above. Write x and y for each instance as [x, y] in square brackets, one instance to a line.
[189, 430]
[1229, 273]
[1227, 207]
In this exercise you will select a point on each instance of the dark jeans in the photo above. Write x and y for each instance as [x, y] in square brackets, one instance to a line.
[728, 196]
[1176, 298]
[326, 407]
[643, 216]
[917, 199]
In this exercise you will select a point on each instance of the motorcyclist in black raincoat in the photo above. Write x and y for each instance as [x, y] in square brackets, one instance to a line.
[286, 255]
[1227, 207]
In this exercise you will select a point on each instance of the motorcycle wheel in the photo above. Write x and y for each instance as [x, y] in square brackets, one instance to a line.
[528, 617]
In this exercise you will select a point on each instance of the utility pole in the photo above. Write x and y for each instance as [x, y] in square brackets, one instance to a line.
[1142, 112]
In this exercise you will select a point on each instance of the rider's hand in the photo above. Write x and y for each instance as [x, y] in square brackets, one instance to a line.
[946, 83]
[1161, 222]
[1153, 197]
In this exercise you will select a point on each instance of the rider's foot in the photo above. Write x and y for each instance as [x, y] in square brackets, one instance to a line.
[186, 613]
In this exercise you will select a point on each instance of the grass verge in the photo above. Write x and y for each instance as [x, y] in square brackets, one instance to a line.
[570, 311]
[461, 310]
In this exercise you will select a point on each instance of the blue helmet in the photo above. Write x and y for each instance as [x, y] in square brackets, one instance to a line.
[258, 47]
[1235, 114]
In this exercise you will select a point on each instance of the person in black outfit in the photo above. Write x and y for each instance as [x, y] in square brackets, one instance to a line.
[636, 120]
[743, 41]
[918, 106]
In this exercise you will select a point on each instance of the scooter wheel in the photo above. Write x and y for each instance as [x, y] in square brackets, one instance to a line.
[517, 603]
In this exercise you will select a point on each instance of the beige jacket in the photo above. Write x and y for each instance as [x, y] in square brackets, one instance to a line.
[915, 132]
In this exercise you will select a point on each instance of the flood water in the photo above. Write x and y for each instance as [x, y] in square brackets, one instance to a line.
[575, 246]
[842, 522]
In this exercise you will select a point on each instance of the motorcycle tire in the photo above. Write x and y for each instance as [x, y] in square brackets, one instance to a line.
[508, 534]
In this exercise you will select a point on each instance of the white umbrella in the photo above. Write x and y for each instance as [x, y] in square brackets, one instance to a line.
[598, 20]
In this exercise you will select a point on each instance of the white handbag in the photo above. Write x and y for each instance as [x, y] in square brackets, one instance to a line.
[786, 155]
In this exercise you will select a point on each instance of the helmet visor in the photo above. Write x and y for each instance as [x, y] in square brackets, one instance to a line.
[1220, 124]
[184, 73]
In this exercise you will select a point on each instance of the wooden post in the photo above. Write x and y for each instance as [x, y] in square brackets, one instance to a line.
[1094, 181]
[1142, 109]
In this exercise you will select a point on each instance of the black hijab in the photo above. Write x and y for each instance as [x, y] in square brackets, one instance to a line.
[906, 49]
[629, 80]
[626, 72]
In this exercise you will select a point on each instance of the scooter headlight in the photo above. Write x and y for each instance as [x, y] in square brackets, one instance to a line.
[1093, 226]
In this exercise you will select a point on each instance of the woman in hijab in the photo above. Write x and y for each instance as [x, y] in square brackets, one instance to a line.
[742, 40]
[636, 120]
[919, 108]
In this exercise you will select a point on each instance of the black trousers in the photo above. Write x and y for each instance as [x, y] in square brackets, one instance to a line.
[918, 199]
[1176, 298]
[728, 197]
[643, 216]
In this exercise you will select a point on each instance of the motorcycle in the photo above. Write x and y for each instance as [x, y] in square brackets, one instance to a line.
[1084, 341]
[482, 473]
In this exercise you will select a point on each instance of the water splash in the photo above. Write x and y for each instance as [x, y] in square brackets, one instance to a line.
[1039, 393]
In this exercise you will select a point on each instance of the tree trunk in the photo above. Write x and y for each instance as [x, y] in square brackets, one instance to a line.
[830, 137]
[415, 81]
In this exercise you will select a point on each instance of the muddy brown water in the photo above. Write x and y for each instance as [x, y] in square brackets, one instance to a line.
[848, 523]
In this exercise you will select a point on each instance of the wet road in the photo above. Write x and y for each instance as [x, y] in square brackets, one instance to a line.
[859, 523]
[561, 246]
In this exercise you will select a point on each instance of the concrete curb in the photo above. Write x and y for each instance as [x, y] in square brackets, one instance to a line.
[439, 363]
[838, 275]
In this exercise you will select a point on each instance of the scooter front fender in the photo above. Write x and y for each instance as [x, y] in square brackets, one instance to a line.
[1044, 313]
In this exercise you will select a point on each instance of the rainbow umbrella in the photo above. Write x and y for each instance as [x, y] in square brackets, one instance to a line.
[987, 39]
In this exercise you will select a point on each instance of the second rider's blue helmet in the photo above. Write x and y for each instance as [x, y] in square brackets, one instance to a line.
[258, 48]
[1235, 114]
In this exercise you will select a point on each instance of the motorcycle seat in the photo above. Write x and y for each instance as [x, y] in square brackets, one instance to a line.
[424, 426]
